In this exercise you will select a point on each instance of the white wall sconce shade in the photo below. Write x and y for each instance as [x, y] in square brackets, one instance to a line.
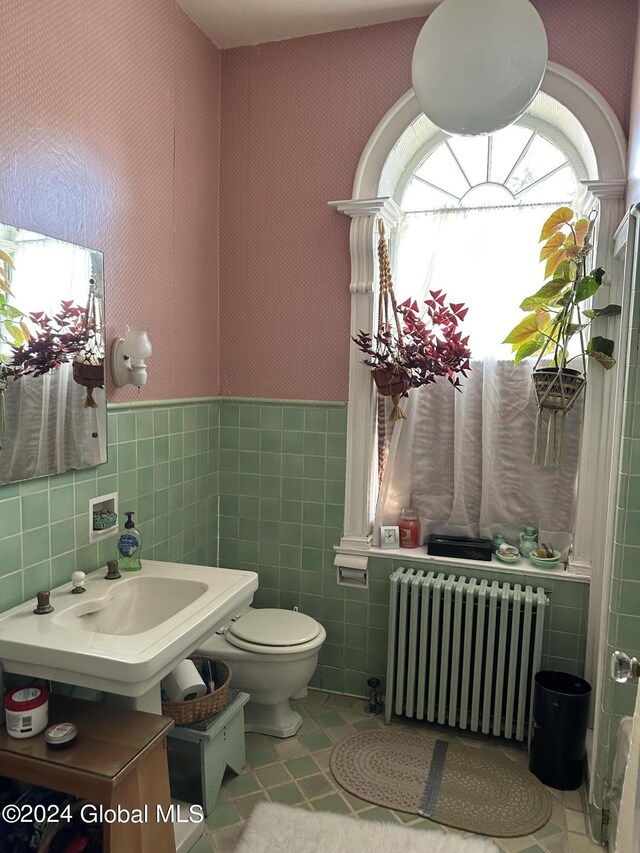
[478, 65]
[128, 356]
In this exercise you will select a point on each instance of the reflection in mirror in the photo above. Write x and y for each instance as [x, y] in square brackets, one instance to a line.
[52, 399]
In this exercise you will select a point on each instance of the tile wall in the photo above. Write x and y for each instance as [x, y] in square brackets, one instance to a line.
[282, 470]
[162, 460]
[623, 631]
[249, 484]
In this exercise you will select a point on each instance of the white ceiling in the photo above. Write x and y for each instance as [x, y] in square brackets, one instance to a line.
[232, 23]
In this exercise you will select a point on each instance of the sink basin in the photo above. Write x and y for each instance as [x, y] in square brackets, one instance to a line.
[132, 607]
[124, 636]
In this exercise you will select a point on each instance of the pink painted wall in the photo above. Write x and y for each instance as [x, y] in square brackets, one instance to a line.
[296, 116]
[110, 138]
[633, 166]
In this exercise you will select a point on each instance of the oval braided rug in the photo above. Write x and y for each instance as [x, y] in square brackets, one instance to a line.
[470, 789]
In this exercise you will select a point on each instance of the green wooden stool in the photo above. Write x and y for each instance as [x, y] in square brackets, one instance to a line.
[198, 758]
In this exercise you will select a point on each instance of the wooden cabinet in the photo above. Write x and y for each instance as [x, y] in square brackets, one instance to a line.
[118, 761]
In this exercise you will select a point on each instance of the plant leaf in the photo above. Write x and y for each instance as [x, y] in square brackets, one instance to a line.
[525, 330]
[586, 287]
[564, 272]
[607, 311]
[15, 332]
[601, 345]
[605, 360]
[545, 296]
[557, 219]
[529, 348]
[7, 259]
[554, 260]
[553, 243]
[581, 227]
[543, 318]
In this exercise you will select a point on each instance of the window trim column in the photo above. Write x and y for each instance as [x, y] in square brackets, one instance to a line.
[361, 415]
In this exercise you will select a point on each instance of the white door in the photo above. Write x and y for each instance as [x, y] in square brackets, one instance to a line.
[627, 838]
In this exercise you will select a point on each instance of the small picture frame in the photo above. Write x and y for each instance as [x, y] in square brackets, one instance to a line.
[389, 536]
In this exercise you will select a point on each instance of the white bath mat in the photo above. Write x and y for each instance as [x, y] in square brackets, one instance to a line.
[273, 828]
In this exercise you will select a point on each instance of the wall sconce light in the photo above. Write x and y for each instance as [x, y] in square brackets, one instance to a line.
[128, 356]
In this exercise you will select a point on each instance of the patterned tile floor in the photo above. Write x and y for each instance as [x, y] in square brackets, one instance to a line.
[296, 771]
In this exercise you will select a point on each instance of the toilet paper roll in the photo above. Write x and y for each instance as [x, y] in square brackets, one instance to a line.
[184, 683]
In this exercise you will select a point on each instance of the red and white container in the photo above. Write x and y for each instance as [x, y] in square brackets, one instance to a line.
[26, 710]
[409, 526]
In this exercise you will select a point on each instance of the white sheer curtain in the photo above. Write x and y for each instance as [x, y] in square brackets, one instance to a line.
[47, 429]
[463, 460]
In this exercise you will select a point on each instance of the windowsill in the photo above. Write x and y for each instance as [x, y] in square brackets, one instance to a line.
[419, 555]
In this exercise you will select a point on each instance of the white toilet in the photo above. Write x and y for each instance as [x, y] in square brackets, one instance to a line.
[272, 654]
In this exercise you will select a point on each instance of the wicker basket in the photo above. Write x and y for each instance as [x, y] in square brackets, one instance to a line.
[212, 703]
[390, 383]
[557, 389]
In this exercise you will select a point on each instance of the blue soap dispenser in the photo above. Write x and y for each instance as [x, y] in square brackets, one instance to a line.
[129, 547]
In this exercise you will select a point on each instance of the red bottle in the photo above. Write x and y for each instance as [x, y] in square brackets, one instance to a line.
[409, 525]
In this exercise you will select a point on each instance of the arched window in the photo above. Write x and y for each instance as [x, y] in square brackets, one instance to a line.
[473, 208]
[569, 137]
[472, 211]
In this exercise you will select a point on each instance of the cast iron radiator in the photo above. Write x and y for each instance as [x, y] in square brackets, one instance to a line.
[463, 652]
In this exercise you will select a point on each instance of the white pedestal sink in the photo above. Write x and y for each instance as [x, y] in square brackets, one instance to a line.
[124, 636]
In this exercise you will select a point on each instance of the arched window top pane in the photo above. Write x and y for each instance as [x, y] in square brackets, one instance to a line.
[516, 165]
[561, 184]
[421, 196]
[507, 147]
[487, 195]
[441, 170]
[540, 159]
[471, 153]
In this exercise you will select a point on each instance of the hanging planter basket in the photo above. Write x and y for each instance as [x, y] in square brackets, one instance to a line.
[88, 365]
[390, 384]
[557, 388]
[556, 392]
[90, 375]
[408, 350]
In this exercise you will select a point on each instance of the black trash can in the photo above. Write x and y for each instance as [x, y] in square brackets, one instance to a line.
[560, 714]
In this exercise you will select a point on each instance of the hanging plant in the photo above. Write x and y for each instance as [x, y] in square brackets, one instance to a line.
[410, 349]
[88, 364]
[556, 318]
[53, 342]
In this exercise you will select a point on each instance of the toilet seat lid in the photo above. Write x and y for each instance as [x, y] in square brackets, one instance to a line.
[272, 627]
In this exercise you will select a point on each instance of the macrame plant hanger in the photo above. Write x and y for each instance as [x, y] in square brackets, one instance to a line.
[88, 365]
[389, 381]
[557, 390]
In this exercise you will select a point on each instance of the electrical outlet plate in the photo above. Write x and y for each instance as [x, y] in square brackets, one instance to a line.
[110, 503]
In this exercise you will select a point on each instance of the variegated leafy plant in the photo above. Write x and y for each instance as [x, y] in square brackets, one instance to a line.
[556, 312]
[13, 329]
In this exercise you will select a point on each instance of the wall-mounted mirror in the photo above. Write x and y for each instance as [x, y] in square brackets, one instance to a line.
[53, 414]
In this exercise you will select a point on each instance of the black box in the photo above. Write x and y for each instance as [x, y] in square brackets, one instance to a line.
[459, 546]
